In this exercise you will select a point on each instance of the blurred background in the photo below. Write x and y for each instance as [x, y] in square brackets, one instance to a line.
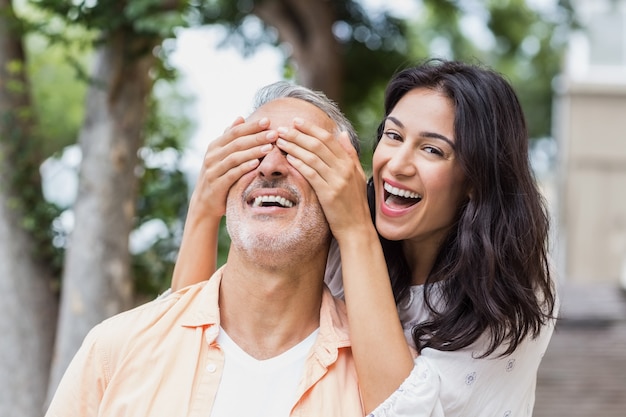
[107, 106]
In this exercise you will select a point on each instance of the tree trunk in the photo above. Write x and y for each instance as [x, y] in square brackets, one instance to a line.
[307, 26]
[97, 281]
[27, 303]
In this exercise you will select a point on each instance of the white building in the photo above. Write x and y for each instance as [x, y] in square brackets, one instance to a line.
[590, 127]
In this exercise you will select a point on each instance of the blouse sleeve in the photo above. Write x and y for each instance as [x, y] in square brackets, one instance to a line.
[462, 383]
[418, 396]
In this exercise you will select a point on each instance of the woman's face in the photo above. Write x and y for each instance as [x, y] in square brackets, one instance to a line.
[418, 182]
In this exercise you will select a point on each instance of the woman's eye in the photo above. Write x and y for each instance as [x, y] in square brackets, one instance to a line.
[393, 135]
[433, 150]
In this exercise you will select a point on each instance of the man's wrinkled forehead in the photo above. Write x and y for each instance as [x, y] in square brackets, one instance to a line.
[282, 111]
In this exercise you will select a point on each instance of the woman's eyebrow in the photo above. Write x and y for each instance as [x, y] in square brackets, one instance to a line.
[395, 121]
[425, 134]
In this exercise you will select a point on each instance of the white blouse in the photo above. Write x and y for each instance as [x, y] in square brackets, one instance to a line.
[458, 383]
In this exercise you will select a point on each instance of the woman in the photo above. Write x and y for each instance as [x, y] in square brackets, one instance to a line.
[463, 230]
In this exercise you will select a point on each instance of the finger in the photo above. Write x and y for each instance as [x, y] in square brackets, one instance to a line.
[240, 128]
[337, 196]
[216, 167]
[310, 145]
[215, 180]
[243, 156]
[346, 143]
[239, 120]
[310, 158]
[317, 182]
[236, 147]
[314, 152]
[344, 140]
[314, 131]
[235, 173]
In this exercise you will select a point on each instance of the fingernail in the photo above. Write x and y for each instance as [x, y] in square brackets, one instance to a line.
[281, 142]
[267, 148]
[264, 121]
[298, 121]
[282, 130]
[271, 135]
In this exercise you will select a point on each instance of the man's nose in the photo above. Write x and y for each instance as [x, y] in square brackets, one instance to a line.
[274, 164]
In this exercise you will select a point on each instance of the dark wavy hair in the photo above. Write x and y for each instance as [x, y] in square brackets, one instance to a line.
[492, 269]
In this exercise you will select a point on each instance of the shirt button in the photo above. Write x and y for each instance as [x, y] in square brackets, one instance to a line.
[211, 367]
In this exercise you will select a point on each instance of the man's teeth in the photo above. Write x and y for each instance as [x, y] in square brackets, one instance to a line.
[400, 193]
[261, 200]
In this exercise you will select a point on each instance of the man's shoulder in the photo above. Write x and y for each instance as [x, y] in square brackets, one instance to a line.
[152, 319]
[334, 320]
[330, 301]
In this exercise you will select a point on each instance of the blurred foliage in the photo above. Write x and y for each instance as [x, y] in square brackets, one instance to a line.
[164, 192]
[22, 155]
[524, 44]
[60, 37]
[142, 17]
[58, 90]
[35, 215]
[374, 46]
[163, 197]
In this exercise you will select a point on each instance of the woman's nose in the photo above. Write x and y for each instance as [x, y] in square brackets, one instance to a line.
[402, 162]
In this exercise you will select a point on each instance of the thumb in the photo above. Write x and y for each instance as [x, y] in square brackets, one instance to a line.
[344, 140]
[346, 144]
[239, 120]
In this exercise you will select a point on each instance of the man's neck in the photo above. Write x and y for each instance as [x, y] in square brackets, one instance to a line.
[266, 312]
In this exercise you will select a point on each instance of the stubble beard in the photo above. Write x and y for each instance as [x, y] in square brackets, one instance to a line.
[271, 248]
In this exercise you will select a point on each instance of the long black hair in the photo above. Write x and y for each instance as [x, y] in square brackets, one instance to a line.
[492, 269]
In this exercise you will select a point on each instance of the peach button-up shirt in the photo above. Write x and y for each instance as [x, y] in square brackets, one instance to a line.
[161, 359]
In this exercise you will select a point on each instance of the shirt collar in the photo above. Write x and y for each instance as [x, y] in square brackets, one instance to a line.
[204, 311]
[204, 308]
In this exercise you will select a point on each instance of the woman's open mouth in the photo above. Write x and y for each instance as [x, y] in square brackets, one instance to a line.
[398, 198]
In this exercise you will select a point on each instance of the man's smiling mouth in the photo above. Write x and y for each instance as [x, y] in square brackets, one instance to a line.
[272, 201]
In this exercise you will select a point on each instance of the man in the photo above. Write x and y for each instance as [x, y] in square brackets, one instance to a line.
[263, 337]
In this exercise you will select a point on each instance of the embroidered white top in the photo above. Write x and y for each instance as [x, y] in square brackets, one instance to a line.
[458, 383]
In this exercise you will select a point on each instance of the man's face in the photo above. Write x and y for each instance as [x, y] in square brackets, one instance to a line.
[272, 213]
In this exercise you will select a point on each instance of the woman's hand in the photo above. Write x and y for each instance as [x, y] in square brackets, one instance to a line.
[331, 165]
[233, 154]
[227, 158]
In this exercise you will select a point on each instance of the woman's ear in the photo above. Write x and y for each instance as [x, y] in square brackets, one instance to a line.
[470, 193]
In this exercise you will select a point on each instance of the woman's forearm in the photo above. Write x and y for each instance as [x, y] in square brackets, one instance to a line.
[236, 152]
[197, 258]
[382, 355]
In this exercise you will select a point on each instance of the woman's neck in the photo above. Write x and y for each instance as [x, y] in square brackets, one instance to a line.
[420, 257]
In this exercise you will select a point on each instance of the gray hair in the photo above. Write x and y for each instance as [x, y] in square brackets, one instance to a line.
[283, 89]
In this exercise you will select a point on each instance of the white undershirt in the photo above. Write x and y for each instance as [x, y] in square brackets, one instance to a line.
[259, 388]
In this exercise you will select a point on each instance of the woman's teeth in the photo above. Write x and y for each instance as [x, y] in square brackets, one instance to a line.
[400, 193]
